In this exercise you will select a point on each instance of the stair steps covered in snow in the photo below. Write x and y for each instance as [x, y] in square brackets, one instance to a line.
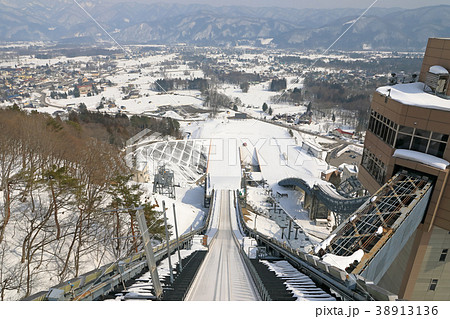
[273, 284]
[299, 285]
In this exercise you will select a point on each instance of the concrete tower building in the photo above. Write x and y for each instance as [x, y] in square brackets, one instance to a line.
[409, 129]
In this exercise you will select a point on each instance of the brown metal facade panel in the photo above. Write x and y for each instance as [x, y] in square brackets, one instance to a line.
[368, 181]
[392, 115]
[447, 48]
[378, 103]
[397, 107]
[435, 52]
[416, 122]
[443, 222]
[418, 112]
[435, 43]
[438, 127]
[442, 117]
[382, 150]
[427, 169]
[424, 70]
[442, 213]
[447, 154]
[405, 163]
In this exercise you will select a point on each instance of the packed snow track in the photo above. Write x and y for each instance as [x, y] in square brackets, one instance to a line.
[223, 275]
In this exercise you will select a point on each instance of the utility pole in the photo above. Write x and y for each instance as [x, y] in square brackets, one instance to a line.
[290, 229]
[296, 231]
[176, 234]
[167, 241]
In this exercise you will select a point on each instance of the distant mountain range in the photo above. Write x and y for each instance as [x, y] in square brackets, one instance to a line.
[130, 23]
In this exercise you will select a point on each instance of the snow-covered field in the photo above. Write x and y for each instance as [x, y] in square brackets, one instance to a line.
[280, 156]
[188, 206]
[257, 95]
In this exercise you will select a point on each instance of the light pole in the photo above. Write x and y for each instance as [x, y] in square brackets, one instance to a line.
[167, 241]
[149, 252]
[176, 235]
[290, 229]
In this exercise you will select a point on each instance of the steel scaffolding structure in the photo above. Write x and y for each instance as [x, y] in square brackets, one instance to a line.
[164, 183]
[374, 223]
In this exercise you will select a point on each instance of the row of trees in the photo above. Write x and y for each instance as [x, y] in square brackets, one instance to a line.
[232, 77]
[55, 182]
[288, 96]
[215, 101]
[118, 128]
[163, 85]
[278, 85]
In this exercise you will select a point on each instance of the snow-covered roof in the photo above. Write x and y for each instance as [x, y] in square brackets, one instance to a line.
[422, 158]
[414, 94]
[437, 69]
[343, 262]
[352, 168]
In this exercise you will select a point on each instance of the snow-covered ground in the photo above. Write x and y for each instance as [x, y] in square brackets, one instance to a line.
[149, 101]
[270, 224]
[280, 156]
[257, 95]
[292, 205]
[188, 206]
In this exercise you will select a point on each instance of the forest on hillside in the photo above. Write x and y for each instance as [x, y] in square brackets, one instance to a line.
[56, 180]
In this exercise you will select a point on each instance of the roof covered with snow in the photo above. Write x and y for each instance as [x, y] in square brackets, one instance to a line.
[414, 94]
[422, 158]
[352, 168]
[343, 262]
[437, 69]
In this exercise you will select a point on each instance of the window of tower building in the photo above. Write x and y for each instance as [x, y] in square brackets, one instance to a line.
[419, 144]
[443, 256]
[403, 141]
[404, 137]
[383, 127]
[433, 284]
[374, 166]
[421, 140]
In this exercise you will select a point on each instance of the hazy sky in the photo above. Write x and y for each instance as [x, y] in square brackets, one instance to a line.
[306, 3]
